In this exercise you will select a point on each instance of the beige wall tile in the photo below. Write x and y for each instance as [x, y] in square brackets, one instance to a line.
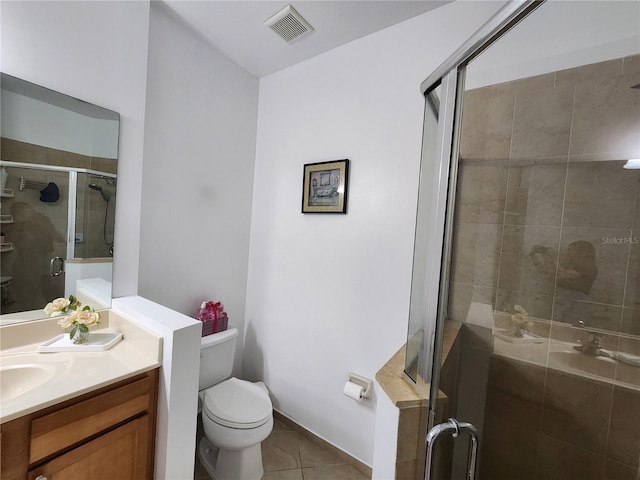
[576, 410]
[625, 373]
[486, 125]
[594, 315]
[535, 194]
[630, 321]
[624, 435]
[536, 304]
[594, 264]
[406, 469]
[600, 194]
[461, 295]
[475, 254]
[606, 117]
[408, 426]
[631, 65]
[521, 271]
[511, 448]
[608, 69]
[483, 191]
[515, 392]
[527, 85]
[617, 471]
[632, 292]
[561, 460]
[542, 123]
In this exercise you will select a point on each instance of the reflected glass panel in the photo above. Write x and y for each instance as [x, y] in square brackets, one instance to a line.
[424, 220]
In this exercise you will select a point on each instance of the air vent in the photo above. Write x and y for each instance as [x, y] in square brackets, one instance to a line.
[289, 24]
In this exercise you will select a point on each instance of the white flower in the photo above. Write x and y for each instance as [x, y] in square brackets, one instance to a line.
[87, 317]
[521, 318]
[67, 321]
[56, 307]
[519, 309]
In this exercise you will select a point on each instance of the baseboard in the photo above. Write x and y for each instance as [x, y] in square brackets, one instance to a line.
[348, 459]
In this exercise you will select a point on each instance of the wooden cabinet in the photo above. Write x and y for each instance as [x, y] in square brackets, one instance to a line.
[104, 434]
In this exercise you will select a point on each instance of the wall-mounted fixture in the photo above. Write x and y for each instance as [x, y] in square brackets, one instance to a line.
[289, 24]
[358, 387]
[632, 164]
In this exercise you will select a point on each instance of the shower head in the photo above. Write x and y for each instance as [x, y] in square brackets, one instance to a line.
[98, 188]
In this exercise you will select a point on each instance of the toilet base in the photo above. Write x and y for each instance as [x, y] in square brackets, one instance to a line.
[223, 464]
[208, 455]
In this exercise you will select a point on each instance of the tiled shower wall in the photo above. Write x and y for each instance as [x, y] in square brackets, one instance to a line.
[542, 167]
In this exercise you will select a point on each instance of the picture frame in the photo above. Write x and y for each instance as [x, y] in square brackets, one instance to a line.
[325, 186]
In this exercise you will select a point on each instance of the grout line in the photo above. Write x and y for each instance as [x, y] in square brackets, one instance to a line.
[319, 442]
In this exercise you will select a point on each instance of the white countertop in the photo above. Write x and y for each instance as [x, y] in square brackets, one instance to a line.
[75, 373]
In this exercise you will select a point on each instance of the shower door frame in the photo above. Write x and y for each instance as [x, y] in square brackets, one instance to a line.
[72, 194]
[72, 198]
[450, 77]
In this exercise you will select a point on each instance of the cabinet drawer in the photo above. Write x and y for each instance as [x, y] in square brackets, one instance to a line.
[121, 454]
[66, 427]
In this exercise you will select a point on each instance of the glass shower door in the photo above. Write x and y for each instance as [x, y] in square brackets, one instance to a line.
[35, 207]
[544, 274]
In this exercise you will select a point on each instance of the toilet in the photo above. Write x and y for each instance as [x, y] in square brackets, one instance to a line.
[236, 415]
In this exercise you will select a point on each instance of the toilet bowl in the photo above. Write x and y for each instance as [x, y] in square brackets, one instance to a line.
[236, 417]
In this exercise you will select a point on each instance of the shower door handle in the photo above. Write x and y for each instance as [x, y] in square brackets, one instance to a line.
[455, 428]
[56, 266]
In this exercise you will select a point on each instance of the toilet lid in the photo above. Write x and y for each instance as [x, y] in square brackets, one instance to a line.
[237, 403]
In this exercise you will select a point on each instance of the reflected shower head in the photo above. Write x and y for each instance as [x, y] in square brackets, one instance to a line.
[98, 188]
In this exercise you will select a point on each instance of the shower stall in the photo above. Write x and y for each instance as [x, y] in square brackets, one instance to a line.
[528, 243]
[57, 227]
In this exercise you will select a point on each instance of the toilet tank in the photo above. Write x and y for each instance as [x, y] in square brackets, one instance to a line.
[217, 353]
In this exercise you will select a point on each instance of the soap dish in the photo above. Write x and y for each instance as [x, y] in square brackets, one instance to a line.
[98, 342]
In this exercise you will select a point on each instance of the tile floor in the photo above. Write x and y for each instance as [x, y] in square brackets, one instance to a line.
[287, 455]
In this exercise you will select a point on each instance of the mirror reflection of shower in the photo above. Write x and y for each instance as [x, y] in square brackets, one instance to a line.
[106, 196]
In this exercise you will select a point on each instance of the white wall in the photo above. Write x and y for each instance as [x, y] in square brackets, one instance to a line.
[329, 294]
[34, 121]
[198, 172]
[178, 387]
[97, 52]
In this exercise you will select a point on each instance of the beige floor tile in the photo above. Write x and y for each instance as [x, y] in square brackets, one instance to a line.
[280, 451]
[311, 455]
[278, 426]
[284, 453]
[328, 472]
[295, 474]
[357, 475]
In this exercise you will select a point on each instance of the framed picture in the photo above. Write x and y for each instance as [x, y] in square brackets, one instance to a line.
[324, 187]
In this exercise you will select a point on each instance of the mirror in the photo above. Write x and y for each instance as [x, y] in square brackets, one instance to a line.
[58, 172]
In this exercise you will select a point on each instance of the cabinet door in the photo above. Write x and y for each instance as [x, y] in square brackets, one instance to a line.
[121, 453]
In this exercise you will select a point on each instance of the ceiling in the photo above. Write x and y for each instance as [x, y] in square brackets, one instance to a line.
[236, 28]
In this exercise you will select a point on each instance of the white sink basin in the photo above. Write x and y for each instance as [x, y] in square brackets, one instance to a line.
[16, 380]
[573, 360]
[23, 373]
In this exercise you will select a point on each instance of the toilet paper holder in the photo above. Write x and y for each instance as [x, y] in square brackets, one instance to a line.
[364, 382]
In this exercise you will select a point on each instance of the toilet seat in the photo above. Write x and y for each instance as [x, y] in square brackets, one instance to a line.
[237, 404]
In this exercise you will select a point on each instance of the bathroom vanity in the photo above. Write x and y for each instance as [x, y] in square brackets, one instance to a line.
[102, 432]
[78, 414]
